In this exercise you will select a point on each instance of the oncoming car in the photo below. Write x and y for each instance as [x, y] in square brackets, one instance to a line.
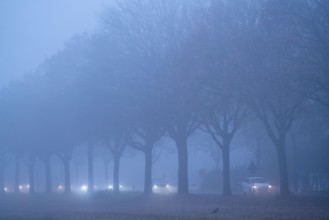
[256, 185]
[161, 186]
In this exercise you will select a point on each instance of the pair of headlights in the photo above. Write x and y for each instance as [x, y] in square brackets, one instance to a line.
[256, 187]
[156, 186]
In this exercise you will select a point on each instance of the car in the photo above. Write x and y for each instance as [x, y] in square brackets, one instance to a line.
[25, 188]
[121, 188]
[161, 186]
[256, 185]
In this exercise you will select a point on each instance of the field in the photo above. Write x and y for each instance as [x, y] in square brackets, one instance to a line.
[135, 206]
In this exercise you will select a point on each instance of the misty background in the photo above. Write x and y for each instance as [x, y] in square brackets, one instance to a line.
[34, 30]
[99, 93]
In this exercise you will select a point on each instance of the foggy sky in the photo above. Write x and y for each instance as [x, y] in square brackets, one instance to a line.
[32, 30]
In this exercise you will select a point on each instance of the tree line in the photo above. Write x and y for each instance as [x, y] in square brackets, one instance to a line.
[169, 67]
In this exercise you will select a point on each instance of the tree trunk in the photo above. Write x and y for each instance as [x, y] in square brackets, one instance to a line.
[106, 173]
[2, 178]
[226, 170]
[67, 183]
[31, 175]
[148, 171]
[258, 157]
[48, 175]
[280, 145]
[295, 164]
[17, 173]
[217, 164]
[181, 144]
[282, 159]
[90, 169]
[116, 186]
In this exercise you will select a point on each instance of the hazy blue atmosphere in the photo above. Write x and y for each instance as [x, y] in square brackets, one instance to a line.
[36, 29]
[164, 109]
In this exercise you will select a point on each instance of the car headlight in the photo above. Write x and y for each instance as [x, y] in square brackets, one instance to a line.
[84, 188]
[269, 186]
[254, 187]
[155, 186]
[167, 186]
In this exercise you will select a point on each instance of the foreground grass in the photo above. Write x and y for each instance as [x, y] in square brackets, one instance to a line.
[136, 206]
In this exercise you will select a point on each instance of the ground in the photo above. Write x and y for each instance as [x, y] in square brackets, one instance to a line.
[135, 206]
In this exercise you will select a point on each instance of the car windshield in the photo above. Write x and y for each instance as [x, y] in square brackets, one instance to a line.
[258, 180]
[159, 181]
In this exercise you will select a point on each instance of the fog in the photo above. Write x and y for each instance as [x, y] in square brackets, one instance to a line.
[164, 109]
[34, 30]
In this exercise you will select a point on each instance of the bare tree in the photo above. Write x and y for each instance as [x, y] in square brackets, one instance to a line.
[66, 156]
[45, 157]
[222, 127]
[276, 105]
[90, 154]
[308, 21]
[148, 135]
[116, 143]
[31, 159]
[3, 162]
[105, 155]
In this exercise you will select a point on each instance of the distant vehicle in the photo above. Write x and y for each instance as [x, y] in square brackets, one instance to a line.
[161, 186]
[24, 188]
[121, 187]
[256, 185]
